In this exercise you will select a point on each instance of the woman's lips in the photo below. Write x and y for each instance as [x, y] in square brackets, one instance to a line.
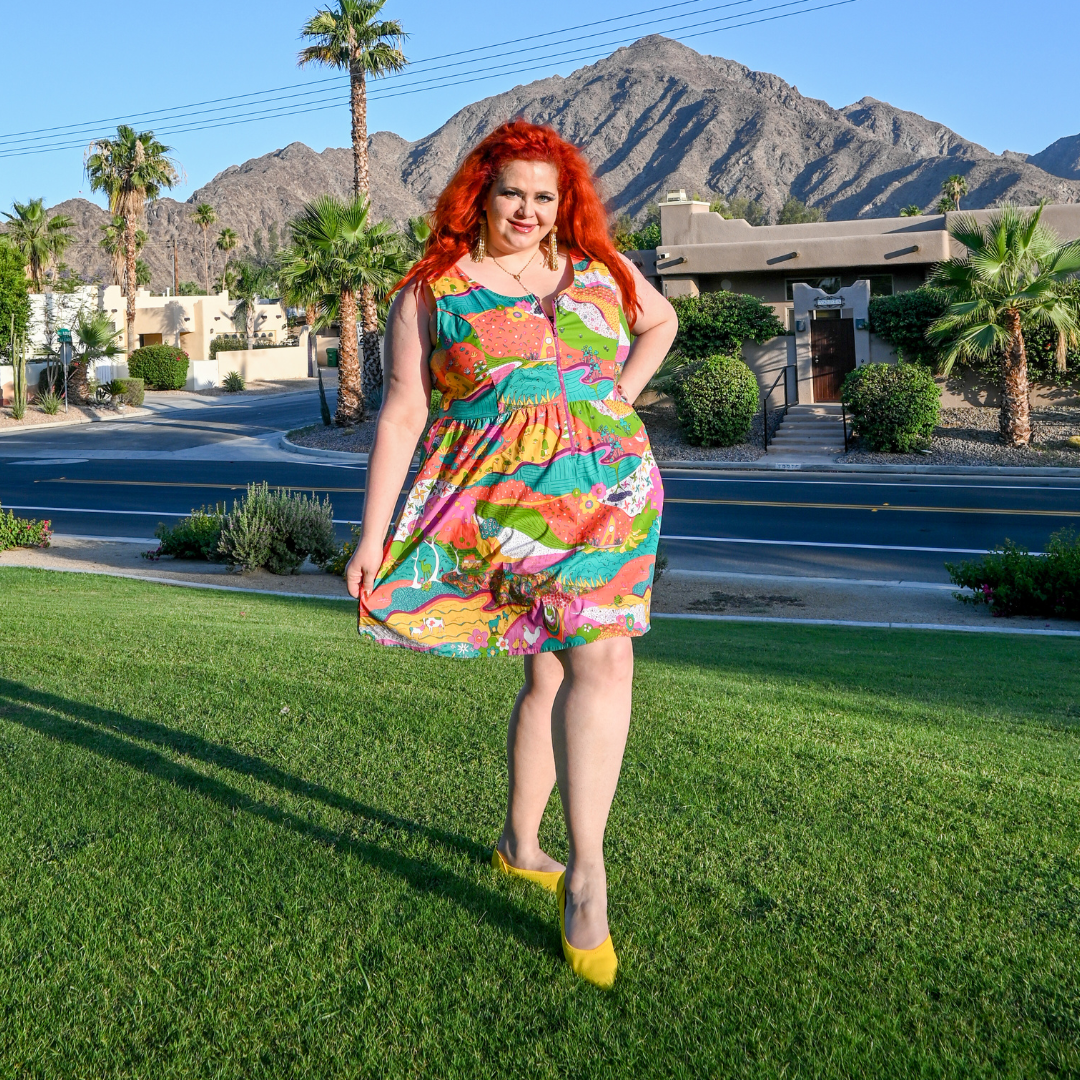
[522, 228]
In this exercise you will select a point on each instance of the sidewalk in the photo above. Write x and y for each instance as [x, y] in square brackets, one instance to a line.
[696, 594]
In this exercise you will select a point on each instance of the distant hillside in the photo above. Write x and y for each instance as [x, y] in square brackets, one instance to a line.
[653, 116]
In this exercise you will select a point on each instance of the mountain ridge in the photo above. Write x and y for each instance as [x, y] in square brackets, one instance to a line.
[652, 116]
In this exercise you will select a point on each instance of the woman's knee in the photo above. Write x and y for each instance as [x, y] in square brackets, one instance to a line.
[543, 676]
[609, 661]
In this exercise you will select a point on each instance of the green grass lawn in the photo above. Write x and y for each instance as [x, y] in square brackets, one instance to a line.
[235, 841]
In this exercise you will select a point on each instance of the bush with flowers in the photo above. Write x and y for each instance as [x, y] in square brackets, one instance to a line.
[1012, 581]
[23, 532]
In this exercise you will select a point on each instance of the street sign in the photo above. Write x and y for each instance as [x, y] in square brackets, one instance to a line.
[65, 335]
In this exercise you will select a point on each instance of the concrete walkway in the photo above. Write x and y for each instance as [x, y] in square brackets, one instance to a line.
[697, 594]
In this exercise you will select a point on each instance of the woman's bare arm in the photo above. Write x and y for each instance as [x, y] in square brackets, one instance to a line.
[654, 329]
[402, 419]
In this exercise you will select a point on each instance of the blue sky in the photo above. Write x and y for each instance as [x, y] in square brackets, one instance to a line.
[974, 65]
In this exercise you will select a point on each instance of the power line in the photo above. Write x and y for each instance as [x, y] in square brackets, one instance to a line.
[441, 82]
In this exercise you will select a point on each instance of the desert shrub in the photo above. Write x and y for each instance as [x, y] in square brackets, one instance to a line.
[719, 322]
[161, 367]
[1012, 581]
[197, 536]
[893, 407]
[51, 378]
[277, 530]
[23, 532]
[903, 319]
[337, 563]
[234, 382]
[715, 401]
[49, 402]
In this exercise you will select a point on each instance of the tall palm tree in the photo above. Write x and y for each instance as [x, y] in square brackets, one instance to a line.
[953, 189]
[335, 253]
[205, 216]
[226, 242]
[41, 239]
[1012, 277]
[131, 169]
[350, 36]
[252, 281]
[112, 243]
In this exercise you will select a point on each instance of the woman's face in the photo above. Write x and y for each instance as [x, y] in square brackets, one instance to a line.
[522, 205]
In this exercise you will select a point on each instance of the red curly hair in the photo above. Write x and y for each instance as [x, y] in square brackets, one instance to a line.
[581, 219]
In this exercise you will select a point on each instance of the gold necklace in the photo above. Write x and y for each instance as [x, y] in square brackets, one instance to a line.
[517, 276]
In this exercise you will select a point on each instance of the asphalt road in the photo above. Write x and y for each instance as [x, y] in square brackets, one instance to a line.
[121, 479]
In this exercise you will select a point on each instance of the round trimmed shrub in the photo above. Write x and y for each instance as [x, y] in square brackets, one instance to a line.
[893, 407]
[715, 401]
[161, 367]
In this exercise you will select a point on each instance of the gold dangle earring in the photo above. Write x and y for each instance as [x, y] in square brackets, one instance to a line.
[480, 248]
[553, 249]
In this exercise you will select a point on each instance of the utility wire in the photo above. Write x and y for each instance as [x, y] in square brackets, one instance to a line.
[440, 82]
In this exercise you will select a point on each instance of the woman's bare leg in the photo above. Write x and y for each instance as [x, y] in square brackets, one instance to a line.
[589, 724]
[530, 764]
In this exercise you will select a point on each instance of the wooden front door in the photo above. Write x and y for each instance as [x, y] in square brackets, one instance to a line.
[832, 345]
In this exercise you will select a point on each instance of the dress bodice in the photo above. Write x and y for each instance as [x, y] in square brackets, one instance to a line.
[497, 354]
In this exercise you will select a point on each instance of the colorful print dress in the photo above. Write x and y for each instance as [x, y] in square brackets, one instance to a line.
[533, 521]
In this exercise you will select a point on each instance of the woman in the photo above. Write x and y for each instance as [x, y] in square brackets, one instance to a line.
[532, 526]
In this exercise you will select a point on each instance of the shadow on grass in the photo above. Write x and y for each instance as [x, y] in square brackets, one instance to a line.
[92, 728]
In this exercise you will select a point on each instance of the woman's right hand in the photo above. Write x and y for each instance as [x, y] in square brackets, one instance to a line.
[363, 566]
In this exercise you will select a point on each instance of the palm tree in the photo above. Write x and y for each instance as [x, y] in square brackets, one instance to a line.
[39, 238]
[1012, 277]
[350, 36]
[205, 216]
[945, 205]
[112, 243]
[131, 169]
[226, 242]
[335, 253]
[953, 189]
[911, 211]
[252, 281]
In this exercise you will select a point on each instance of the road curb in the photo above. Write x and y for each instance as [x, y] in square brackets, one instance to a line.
[853, 467]
[327, 455]
[133, 414]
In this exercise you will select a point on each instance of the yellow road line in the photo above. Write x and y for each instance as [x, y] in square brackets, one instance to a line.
[873, 508]
[172, 483]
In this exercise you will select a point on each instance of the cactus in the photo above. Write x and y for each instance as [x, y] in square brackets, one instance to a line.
[18, 367]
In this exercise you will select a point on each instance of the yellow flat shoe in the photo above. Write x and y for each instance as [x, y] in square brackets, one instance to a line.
[598, 965]
[546, 879]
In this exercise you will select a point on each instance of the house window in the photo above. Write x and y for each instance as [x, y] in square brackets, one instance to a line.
[880, 284]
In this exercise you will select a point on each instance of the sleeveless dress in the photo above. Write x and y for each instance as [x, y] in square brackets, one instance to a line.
[534, 518]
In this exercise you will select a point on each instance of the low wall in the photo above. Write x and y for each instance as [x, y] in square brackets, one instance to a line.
[767, 361]
[969, 390]
[256, 365]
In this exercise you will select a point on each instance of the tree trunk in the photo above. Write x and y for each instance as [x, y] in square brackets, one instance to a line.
[249, 321]
[1015, 418]
[1061, 356]
[206, 260]
[371, 375]
[361, 185]
[313, 344]
[350, 402]
[130, 225]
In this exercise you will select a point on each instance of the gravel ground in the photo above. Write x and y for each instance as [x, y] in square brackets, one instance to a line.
[354, 440]
[969, 436]
[282, 386]
[76, 414]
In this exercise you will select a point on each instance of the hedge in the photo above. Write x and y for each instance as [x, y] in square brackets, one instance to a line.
[717, 323]
[161, 367]
[715, 401]
[894, 407]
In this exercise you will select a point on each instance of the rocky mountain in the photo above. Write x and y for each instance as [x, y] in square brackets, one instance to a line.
[1061, 158]
[653, 116]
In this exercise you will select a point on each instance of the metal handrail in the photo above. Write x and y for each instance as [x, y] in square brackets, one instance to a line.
[843, 413]
[765, 403]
